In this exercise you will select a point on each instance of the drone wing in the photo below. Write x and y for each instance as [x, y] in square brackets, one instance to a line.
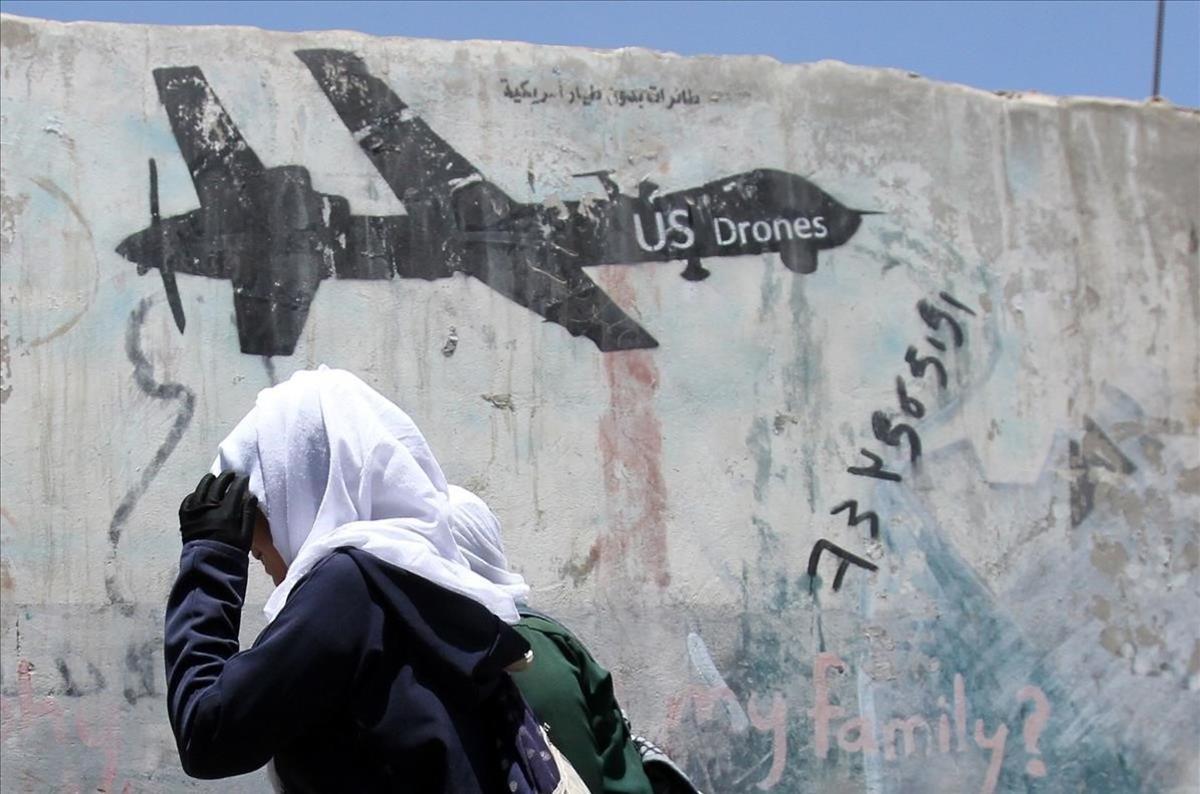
[565, 296]
[411, 157]
[418, 165]
[217, 156]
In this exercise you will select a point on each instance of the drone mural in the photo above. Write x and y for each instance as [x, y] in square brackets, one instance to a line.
[275, 238]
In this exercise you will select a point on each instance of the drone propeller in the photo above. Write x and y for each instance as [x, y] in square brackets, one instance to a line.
[164, 262]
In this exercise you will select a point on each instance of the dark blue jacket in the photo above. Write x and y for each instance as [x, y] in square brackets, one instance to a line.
[370, 679]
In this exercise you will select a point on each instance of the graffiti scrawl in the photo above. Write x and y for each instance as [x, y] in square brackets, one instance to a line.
[275, 238]
[892, 433]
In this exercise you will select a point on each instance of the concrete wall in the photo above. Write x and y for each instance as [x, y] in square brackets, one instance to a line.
[1027, 621]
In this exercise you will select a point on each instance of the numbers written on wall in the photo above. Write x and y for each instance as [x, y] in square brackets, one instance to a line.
[894, 428]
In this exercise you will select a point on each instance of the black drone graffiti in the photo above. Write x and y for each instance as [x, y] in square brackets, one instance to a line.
[275, 237]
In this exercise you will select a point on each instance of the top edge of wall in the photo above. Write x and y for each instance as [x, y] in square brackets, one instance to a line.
[1005, 95]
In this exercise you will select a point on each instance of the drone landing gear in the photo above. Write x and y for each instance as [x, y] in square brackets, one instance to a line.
[694, 270]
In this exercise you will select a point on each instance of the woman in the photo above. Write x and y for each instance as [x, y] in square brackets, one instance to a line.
[565, 686]
[383, 665]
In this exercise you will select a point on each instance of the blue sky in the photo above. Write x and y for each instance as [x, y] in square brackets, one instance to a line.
[1078, 47]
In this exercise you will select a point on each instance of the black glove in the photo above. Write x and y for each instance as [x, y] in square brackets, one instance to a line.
[221, 508]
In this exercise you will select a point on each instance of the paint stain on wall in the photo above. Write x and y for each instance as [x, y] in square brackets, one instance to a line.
[630, 440]
[11, 208]
[6, 578]
[5, 366]
[87, 741]
[1109, 557]
[502, 401]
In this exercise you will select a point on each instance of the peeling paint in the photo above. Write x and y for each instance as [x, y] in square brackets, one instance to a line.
[1110, 557]
[6, 385]
[11, 209]
[502, 401]
[451, 343]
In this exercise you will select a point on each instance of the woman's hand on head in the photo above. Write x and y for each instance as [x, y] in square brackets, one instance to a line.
[222, 509]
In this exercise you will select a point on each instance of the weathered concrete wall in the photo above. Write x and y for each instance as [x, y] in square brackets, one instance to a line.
[1029, 619]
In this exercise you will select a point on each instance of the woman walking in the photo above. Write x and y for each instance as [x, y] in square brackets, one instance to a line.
[383, 667]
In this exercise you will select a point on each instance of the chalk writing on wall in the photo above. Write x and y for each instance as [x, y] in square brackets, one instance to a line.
[276, 238]
[902, 736]
[94, 729]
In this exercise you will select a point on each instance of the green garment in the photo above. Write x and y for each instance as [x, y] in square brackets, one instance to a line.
[572, 694]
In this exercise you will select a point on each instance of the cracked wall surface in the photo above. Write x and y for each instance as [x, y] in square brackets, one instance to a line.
[850, 418]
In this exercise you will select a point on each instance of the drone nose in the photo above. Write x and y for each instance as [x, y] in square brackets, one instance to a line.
[133, 248]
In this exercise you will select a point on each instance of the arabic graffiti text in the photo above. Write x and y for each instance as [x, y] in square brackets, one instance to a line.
[523, 92]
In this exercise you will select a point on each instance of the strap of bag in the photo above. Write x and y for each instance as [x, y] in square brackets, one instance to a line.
[666, 777]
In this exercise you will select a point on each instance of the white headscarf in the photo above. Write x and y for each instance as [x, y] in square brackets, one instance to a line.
[476, 530]
[335, 464]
